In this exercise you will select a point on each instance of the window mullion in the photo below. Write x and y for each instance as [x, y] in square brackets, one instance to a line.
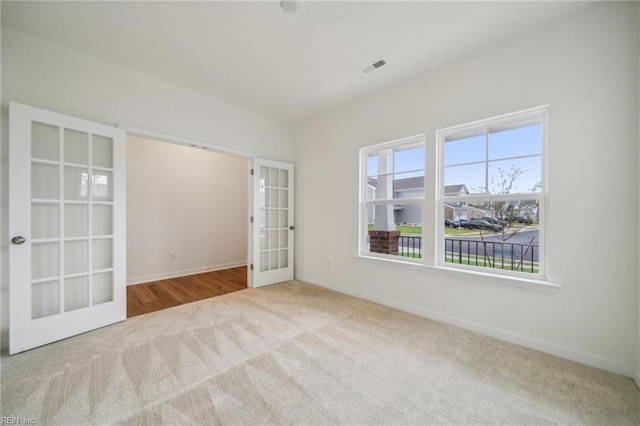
[486, 163]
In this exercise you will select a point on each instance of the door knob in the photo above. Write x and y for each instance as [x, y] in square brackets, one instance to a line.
[18, 240]
[292, 227]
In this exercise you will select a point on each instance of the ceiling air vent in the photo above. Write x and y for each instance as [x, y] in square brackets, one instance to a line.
[373, 66]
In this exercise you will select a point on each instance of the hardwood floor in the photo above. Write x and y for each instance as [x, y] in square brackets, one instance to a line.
[153, 296]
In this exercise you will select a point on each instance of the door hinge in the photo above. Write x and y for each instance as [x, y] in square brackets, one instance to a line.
[251, 266]
[251, 219]
[251, 172]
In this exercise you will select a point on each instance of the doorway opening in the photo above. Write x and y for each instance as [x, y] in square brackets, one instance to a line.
[187, 224]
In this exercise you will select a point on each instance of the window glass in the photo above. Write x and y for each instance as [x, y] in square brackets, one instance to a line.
[465, 150]
[500, 226]
[515, 142]
[490, 205]
[392, 205]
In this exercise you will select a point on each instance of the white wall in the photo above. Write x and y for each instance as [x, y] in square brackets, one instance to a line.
[187, 202]
[586, 68]
[638, 313]
[38, 73]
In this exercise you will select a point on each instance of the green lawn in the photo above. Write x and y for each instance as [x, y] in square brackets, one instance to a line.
[405, 229]
[497, 263]
[409, 229]
[481, 262]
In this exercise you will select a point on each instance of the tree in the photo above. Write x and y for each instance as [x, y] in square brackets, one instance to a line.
[512, 215]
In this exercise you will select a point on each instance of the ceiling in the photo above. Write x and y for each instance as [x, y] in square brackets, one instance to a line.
[285, 66]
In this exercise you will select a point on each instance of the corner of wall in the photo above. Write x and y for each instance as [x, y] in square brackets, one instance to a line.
[637, 375]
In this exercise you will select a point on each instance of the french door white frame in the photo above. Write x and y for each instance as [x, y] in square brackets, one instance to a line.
[178, 140]
[27, 331]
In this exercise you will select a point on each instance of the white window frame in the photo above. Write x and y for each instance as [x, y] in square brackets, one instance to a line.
[538, 115]
[433, 199]
[364, 181]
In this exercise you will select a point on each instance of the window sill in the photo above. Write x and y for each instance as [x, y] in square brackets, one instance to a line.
[526, 283]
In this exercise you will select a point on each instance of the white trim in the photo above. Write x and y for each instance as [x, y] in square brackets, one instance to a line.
[184, 273]
[419, 140]
[267, 276]
[506, 336]
[521, 280]
[516, 119]
[398, 143]
[165, 137]
[24, 331]
[395, 201]
[525, 116]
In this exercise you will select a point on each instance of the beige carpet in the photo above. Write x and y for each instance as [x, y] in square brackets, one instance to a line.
[299, 354]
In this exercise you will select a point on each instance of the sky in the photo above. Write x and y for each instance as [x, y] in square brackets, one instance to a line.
[468, 160]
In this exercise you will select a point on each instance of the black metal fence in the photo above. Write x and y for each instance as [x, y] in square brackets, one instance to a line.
[492, 254]
[410, 246]
[488, 254]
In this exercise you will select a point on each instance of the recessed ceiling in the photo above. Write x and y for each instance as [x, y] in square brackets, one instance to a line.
[286, 66]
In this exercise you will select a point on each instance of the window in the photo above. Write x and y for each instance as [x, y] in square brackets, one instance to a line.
[487, 211]
[392, 199]
[491, 194]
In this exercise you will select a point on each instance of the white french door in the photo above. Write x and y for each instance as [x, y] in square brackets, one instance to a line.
[67, 226]
[273, 222]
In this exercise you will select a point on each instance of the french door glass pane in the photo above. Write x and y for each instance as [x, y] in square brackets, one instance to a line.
[102, 288]
[273, 218]
[274, 198]
[102, 222]
[45, 183]
[284, 219]
[76, 293]
[264, 197]
[76, 183]
[102, 186]
[45, 260]
[275, 178]
[102, 151]
[264, 240]
[264, 261]
[76, 220]
[76, 257]
[45, 220]
[45, 299]
[264, 218]
[76, 147]
[102, 256]
[274, 260]
[45, 141]
[273, 239]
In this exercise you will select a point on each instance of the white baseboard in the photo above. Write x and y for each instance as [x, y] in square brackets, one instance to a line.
[552, 349]
[183, 273]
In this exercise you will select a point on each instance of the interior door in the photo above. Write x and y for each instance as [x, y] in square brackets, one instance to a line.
[273, 222]
[67, 226]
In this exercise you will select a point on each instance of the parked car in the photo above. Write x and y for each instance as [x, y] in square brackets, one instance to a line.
[480, 224]
[451, 223]
[492, 220]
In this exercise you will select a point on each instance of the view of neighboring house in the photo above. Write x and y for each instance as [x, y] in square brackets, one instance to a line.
[413, 187]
